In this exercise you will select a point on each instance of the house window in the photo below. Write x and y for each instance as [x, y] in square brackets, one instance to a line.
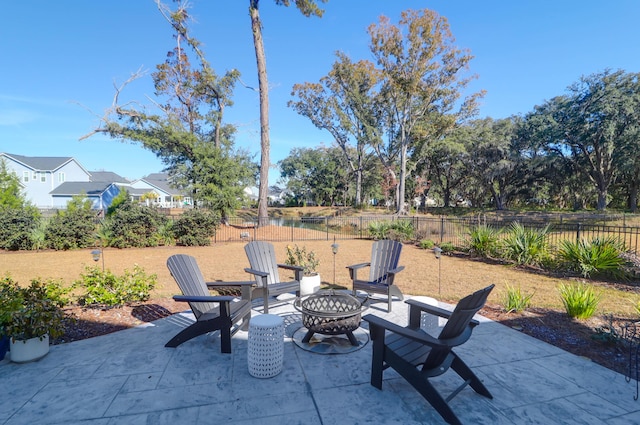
[35, 176]
[60, 177]
[43, 177]
[25, 176]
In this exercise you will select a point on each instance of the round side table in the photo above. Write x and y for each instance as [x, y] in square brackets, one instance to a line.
[265, 346]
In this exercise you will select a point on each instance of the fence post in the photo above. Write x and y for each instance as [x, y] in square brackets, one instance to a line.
[441, 229]
[578, 232]
[326, 222]
[360, 227]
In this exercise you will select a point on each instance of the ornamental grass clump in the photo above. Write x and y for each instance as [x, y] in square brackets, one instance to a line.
[600, 257]
[526, 246]
[484, 241]
[580, 300]
[515, 300]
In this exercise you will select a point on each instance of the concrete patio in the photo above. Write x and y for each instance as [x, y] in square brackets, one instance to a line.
[129, 377]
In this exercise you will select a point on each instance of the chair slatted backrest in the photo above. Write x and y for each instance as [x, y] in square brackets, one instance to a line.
[385, 255]
[188, 276]
[262, 257]
[458, 324]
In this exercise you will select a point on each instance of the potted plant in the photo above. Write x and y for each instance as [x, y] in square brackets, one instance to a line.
[10, 302]
[38, 316]
[297, 256]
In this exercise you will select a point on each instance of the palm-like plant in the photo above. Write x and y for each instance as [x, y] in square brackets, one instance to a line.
[526, 246]
[598, 257]
[484, 240]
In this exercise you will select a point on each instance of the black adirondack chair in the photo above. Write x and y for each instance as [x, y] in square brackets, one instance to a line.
[383, 267]
[264, 267]
[212, 313]
[417, 356]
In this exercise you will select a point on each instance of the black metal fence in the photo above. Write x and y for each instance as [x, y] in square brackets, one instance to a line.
[438, 229]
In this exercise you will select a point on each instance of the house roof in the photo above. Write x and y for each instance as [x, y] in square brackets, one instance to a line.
[107, 176]
[161, 181]
[41, 163]
[77, 188]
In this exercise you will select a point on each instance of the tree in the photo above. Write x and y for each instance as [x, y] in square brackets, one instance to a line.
[594, 121]
[421, 81]
[11, 195]
[344, 103]
[307, 8]
[189, 131]
[315, 175]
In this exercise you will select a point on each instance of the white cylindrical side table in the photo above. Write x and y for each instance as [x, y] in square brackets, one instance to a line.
[266, 345]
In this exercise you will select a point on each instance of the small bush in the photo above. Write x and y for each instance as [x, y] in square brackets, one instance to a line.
[105, 288]
[17, 227]
[426, 244]
[483, 241]
[515, 300]
[72, 227]
[134, 226]
[398, 230]
[196, 227]
[600, 257]
[580, 300]
[447, 247]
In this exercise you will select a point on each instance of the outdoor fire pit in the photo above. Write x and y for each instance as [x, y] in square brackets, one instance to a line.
[330, 313]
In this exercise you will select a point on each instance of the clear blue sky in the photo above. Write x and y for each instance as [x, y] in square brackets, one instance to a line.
[60, 60]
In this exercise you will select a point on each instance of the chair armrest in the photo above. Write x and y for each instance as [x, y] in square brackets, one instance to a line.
[353, 270]
[290, 267]
[396, 270]
[204, 298]
[428, 308]
[419, 336]
[434, 310]
[358, 266]
[218, 284]
[297, 269]
[256, 272]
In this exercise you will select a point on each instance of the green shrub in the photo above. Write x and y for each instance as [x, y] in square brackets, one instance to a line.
[17, 227]
[426, 244]
[196, 227]
[600, 257]
[447, 247]
[36, 309]
[483, 241]
[526, 246]
[134, 226]
[580, 300]
[379, 229]
[105, 288]
[73, 227]
[515, 300]
[399, 230]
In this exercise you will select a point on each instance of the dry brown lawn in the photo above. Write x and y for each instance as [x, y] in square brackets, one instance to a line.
[447, 279]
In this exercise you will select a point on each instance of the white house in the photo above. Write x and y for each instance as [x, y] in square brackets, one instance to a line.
[160, 184]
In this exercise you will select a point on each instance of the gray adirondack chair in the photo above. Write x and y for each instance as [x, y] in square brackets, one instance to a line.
[264, 267]
[212, 313]
[418, 356]
[383, 267]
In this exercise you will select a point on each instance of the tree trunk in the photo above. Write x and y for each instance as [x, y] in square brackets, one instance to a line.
[400, 207]
[263, 189]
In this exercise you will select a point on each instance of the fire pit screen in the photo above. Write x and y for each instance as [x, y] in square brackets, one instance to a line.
[330, 313]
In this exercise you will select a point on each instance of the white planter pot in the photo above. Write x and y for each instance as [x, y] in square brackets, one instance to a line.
[29, 350]
[309, 285]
